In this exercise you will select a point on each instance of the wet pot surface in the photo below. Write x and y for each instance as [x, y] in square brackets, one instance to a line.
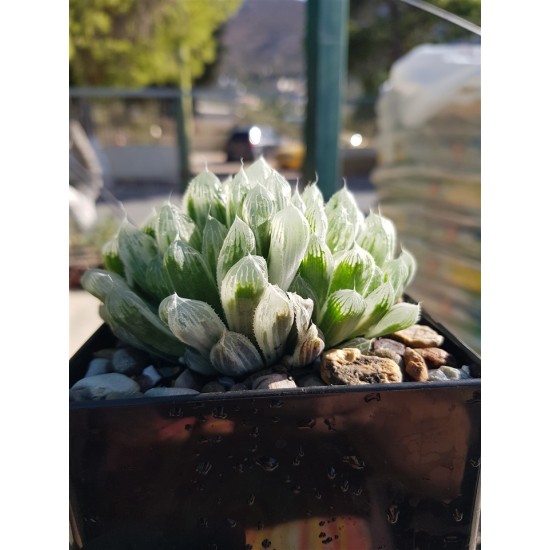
[392, 466]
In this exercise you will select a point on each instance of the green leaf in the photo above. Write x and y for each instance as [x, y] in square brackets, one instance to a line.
[239, 243]
[318, 221]
[377, 304]
[303, 289]
[193, 322]
[377, 279]
[397, 272]
[258, 209]
[149, 224]
[137, 250]
[235, 355]
[134, 316]
[273, 320]
[399, 317]
[297, 200]
[204, 195]
[237, 190]
[410, 261]
[158, 281]
[189, 274]
[100, 282]
[279, 187]
[360, 343]
[110, 256]
[317, 267]
[344, 201]
[198, 363]
[241, 291]
[172, 224]
[378, 237]
[308, 343]
[340, 316]
[213, 237]
[341, 231]
[289, 240]
[258, 171]
[313, 197]
[353, 269]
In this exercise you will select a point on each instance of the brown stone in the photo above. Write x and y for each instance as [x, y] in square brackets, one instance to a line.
[389, 354]
[387, 343]
[436, 357]
[418, 336]
[415, 366]
[348, 366]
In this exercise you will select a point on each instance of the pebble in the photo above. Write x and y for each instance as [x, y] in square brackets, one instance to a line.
[436, 374]
[389, 354]
[350, 366]
[415, 366]
[99, 365]
[149, 378]
[169, 371]
[104, 386]
[129, 361]
[238, 387]
[213, 387]
[419, 336]
[436, 357]
[310, 380]
[169, 392]
[188, 379]
[455, 374]
[273, 382]
[388, 344]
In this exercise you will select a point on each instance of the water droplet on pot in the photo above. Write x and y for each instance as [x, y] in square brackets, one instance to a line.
[267, 463]
[321, 523]
[297, 489]
[203, 522]
[331, 472]
[204, 467]
[318, 496]
[219, 412]
[254, 448]
[393, 514]
[330, 423]
[240, 468]
[475, 462]
[372, 397]
[296, 461]
[322, 535]
[457, 515]
[305, 423]
[327, 540]
[275, 419]
[357, 491]
[266, 543]
[189, 427]
[344, 486]
[254, 431]
[276, 404]
[300, 450]
[260, 525]
[251, 499]
[355, 462]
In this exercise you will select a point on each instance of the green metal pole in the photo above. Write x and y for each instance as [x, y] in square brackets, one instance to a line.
[326, 56]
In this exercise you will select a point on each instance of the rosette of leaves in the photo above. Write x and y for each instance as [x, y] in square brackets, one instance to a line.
[246, 273]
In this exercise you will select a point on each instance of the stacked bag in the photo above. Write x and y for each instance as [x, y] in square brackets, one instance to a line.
[428, 178]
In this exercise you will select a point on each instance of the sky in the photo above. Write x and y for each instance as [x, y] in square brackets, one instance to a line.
[515, 181]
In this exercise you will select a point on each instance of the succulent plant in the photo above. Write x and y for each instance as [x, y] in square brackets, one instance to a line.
[247, 273]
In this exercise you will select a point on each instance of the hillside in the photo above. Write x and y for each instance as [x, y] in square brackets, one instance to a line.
[264, 41]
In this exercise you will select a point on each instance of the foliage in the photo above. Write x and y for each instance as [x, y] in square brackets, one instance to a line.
[143, 42]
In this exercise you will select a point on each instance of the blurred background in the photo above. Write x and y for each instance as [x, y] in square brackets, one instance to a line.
[381, 94]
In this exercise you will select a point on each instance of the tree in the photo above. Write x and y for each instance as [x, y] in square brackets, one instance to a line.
[382, 31]
[143, 42]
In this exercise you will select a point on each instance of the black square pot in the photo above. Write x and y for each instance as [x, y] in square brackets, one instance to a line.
[385, 466]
